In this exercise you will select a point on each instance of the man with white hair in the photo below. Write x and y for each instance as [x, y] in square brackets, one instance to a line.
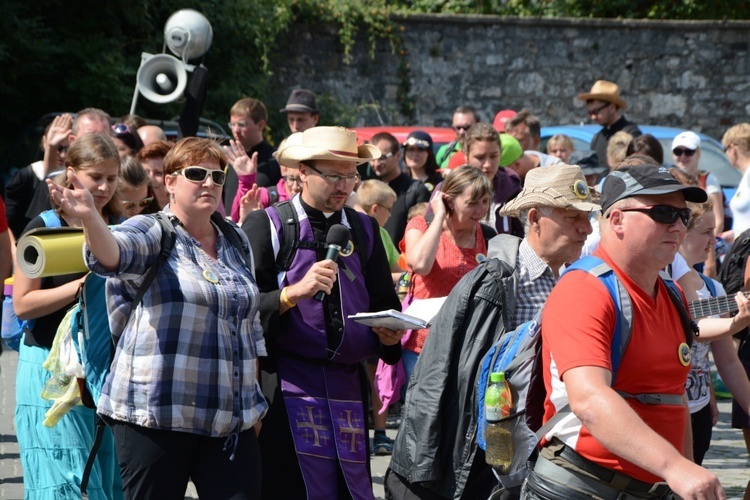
[432, 456]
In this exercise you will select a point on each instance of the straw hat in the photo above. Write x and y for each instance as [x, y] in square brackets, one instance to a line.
[605, 91]
[561, 186]
[326, 143]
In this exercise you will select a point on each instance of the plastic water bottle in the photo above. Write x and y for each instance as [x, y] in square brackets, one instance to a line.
[498, 400]
[403, 286]
[10, 323]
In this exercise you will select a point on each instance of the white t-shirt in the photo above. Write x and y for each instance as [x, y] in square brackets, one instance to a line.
[712, 184]
[698, 386]
[679, 267]
[740, 205]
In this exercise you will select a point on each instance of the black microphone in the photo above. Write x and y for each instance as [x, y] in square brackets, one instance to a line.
[336, 239]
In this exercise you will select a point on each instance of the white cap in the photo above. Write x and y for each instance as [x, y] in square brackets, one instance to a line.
[687, 139]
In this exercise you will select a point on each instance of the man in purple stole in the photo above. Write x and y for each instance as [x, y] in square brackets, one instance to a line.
[314, 441]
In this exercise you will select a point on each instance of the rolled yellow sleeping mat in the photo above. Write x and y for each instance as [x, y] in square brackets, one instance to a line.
[44, 252]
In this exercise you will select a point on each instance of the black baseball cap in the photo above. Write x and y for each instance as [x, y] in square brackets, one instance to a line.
[644, 180]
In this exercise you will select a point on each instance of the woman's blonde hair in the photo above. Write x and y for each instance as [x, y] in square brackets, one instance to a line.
[560, 139]
[697, 210]
[85, 152]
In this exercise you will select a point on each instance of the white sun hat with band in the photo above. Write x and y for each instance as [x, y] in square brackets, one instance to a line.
[326, 143]
[561, 186]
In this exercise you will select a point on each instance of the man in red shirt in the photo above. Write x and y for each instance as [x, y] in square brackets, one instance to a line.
[612, 446]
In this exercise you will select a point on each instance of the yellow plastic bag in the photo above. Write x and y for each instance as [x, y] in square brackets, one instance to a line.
[62, 362]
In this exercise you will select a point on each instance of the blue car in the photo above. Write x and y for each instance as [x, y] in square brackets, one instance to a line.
[712, 157]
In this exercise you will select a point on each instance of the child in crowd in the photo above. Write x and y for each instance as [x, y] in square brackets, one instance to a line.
[376, 199]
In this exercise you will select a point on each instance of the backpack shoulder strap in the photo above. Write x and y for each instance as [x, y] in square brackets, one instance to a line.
[51, 218]
[289, 236]
[688, 325]
[709, 284]
[620, 299]
[231, 234]
[168, 238]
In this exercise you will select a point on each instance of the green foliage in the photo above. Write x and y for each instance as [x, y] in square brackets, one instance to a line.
[628, 9]
[64, 56]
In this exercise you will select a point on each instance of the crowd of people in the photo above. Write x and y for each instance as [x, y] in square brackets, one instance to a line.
[237, 366]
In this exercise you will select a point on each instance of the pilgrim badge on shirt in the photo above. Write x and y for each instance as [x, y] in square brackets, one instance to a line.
[481, 258]
[430, 187]
[348, 249]
[683, 352]
[210, 276]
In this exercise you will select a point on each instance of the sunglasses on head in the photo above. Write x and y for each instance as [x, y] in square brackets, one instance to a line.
[665, 214]
[683, 151]
[199, 174]
[418, 143]
[128, 204]
[120, 129]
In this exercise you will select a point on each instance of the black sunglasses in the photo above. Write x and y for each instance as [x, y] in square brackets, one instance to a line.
[462, 127]
[665, 214]
[199, 174]
[683, 151]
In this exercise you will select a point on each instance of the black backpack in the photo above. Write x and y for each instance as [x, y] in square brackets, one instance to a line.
[732, 273]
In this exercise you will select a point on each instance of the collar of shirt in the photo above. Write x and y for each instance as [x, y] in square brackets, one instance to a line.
[530, 262]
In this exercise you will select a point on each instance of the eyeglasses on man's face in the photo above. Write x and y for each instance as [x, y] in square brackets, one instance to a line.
[199, 174]
[336, 178]
[596, 111]
[383, 158]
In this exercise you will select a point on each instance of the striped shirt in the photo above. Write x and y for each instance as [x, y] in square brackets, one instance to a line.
[535, 282]
[186, 360]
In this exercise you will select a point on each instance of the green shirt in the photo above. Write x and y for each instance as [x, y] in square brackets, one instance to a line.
[444, 153]
[390, 249]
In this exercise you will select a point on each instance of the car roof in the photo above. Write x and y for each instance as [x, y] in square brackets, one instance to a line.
[712, 158]
[587, 132]
[440, 135]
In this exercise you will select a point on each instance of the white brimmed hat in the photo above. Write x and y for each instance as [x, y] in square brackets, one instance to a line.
[561, 186]
[326, 143]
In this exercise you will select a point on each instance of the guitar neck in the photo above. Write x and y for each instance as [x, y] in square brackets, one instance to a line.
[714, 306]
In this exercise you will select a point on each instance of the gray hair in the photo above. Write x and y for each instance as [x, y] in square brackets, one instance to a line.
[524, 216]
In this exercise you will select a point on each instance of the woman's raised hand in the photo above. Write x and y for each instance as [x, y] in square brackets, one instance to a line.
[437, 203]
[77, 202]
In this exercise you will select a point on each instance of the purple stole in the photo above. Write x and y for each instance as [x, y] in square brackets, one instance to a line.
[324, 400]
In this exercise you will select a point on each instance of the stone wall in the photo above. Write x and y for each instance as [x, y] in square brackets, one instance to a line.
[683, 74]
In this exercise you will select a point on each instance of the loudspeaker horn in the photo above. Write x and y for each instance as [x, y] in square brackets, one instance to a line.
[161, 78]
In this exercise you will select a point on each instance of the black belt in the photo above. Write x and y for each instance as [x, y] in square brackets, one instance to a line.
[617, 480]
